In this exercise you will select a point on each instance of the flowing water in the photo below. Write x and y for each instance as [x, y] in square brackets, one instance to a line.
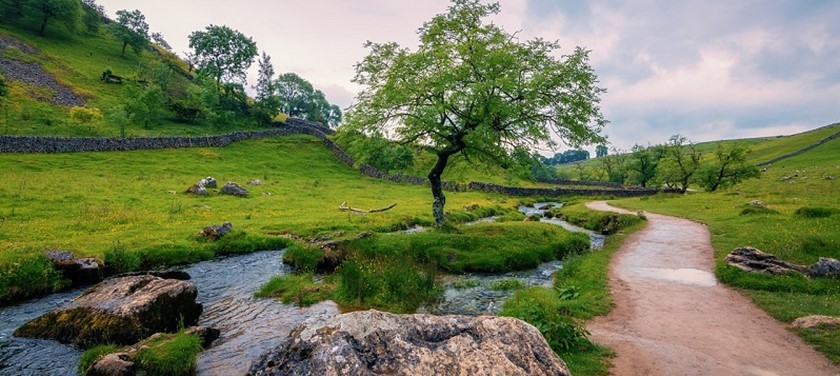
[251, 326]
[226, 286]
[480, 294]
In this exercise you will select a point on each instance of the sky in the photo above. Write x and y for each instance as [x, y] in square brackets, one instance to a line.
[707, 70]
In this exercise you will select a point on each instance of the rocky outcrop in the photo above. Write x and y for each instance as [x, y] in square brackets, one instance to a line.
[119, 311]
[165, 274]
[817, 322]
[753, 260]
[33, 74]
[200, 188]
[208, 182]
[80, 271]
[825, 268]
[231, 188]
[373, 342]
[215, 232]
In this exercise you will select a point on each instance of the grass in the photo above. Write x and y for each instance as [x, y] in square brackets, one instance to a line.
[801, 228]
[121, 205]
[299, 289]
[602, 222]
[164, 355]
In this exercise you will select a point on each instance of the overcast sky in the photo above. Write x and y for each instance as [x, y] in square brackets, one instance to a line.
[706, 69]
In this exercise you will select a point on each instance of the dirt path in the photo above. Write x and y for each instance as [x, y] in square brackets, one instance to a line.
[672, 318]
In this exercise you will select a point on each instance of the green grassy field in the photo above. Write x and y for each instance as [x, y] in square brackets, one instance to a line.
[805, 181]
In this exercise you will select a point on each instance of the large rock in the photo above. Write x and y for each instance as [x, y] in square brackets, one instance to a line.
[119, 311]
[373, 342]
[753, 260]
[825, 267]
[817, 322]
[80, 271]
[215, 232]
[231, 188]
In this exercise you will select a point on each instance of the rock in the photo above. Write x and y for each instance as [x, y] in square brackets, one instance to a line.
[197, 190]
[753, 260]
[825, 267]
[533, 218]
[757, 204]
[472, 207]
[817, 322]
[255, 182]
[207, 334]
[80, 271]
[165, 274]
[215, 232]
[231, 188]
[208, 182]
[373, 342]
[115, 364]
[119, 311]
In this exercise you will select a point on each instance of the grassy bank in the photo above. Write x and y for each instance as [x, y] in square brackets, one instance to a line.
[800, 225]
[132, 205]
[164, 355]
[580, 293]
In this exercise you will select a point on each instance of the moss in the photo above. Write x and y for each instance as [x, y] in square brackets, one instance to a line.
[85, 328]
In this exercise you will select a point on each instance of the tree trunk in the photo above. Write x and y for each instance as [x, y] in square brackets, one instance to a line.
[43, 26]
[437, 188]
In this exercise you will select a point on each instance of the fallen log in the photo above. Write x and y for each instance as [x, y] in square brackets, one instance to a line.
[344, 207]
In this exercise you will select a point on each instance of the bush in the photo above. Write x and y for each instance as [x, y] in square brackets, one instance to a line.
[85, 115]
[815, 212]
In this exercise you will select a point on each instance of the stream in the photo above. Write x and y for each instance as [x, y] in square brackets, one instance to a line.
[251, 326]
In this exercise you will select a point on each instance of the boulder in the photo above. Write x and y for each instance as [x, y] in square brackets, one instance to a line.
[165, 274]
[80, 271]
[198, 190]
[472, 207]
[825, 268]
[119, 311]
[255, 182]
[753, 260]
[373, 342]
[757, 204]
[231, 188]
[817, 322]
[215, 232]
[208, 182]
[207, 334]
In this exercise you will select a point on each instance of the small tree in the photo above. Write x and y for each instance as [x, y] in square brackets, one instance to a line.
[131, 28]
[223, 53]
[45, 10]
[615, 166]
[681, 161]
[474, 90]
[267, 103]
[728, 167]
[160, 41]
[93, 15]
[643, 162]
[600, 151]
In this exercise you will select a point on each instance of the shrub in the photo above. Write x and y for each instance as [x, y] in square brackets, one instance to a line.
[85, 115]
[815, 212]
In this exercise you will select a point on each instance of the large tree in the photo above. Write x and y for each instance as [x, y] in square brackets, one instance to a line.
[643, 162]
[131, 28]
[43, 11]
[472, 89]
[223, 53]
[298, 98]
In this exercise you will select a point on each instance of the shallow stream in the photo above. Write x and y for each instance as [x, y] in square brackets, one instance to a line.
[251, 326]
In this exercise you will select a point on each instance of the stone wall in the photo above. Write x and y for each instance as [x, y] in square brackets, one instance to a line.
[800, 151]
[38, 144]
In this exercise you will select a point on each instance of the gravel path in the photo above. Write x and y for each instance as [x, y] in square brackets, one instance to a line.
[673, 318]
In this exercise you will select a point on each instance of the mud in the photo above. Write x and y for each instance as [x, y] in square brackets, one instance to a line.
[672, 318]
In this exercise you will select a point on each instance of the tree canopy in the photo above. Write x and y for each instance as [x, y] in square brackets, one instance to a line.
[472, 89]
[42, 11]
[223, 53]
[131, 28]
[298, 98]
